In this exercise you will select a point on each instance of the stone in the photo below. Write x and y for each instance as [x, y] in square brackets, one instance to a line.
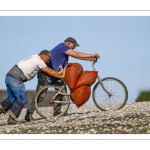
[86, 120]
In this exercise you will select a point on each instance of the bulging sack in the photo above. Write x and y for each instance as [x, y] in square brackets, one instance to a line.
[87, 78]
[73, 71]
[80, 95]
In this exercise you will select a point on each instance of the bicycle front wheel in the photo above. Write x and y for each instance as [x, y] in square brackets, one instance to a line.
[42, 101]
[118, 94]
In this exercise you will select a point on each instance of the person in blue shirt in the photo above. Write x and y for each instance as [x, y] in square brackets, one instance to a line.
[60, 55]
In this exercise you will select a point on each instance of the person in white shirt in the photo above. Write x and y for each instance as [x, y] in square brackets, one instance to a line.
[23, 71]
[60, 54]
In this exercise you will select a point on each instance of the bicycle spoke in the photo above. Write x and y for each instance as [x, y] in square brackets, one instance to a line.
[45, 108]
[117, 97]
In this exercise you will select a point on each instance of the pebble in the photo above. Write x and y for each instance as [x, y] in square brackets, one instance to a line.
[88, 119]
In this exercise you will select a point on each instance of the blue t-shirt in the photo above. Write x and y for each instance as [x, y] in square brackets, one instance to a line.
[59, 57]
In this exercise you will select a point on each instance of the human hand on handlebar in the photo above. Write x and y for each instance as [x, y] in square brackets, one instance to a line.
[93, 59]
[96, 55]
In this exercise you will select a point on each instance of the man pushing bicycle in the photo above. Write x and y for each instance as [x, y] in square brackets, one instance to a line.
[60, 54]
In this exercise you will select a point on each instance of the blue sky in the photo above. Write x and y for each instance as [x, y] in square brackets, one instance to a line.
[121, 41]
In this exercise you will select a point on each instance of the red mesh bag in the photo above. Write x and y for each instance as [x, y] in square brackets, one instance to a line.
[73, 71]
[87, 78]
[80, 95]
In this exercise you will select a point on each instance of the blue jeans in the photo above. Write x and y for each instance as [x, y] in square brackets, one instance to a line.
[16, 91]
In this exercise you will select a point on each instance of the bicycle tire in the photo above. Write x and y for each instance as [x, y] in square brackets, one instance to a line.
[51, 91]
[116, 101]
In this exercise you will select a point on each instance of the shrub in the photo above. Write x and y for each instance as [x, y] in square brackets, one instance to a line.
[143, 96]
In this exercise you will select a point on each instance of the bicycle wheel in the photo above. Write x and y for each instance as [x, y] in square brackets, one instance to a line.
[118, 94]
[46, 109]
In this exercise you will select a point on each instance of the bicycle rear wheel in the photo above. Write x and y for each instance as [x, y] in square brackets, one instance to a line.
[46, 109]
[115, 101]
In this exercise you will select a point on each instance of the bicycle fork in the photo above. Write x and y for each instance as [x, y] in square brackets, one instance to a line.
[100, 81]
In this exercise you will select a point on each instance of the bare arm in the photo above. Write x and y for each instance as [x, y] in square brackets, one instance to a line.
[53, 73]
[77, 54]
[82, 56]
[88, 59]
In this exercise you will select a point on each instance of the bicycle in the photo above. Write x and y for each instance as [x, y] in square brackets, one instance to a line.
[108, 94]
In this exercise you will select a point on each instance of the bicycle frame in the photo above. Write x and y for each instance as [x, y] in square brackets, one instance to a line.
[101, 95]
[59, 91]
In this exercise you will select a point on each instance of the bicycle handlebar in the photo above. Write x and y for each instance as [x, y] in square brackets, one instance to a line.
[94, 63]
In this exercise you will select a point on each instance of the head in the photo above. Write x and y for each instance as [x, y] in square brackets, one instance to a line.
[71, 42]
[45, 55]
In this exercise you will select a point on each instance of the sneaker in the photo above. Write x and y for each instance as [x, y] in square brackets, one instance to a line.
[11, 120]
[28, 116]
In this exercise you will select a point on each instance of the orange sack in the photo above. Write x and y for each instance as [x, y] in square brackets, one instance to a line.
[73, 71]
[87, 78]
[80, 95]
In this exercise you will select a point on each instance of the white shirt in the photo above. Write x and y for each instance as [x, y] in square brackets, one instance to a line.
[31, 65]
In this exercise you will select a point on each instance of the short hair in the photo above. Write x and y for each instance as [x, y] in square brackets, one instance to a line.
[46, 52]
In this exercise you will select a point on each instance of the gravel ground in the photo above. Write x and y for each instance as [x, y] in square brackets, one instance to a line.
[134, 118]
